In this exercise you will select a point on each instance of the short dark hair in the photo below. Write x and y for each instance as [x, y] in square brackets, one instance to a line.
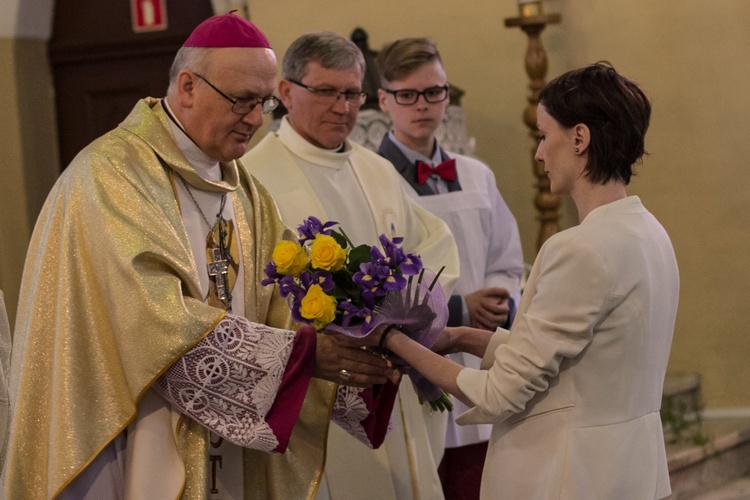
[328, 49]
[615, 110]
[401, 58]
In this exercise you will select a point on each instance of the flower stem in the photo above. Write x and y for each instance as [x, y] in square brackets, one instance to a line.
[346, 237]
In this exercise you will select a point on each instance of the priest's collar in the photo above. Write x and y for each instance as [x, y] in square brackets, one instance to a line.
[212, 176]
[414, 156]
[332, 158]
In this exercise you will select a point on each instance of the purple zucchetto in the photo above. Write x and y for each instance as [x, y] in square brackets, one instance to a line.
[227, 30]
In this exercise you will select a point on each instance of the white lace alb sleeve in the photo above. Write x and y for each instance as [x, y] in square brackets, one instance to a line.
[229, 380]
[349, 410]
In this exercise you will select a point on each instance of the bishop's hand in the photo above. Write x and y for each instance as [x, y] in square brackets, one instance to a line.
[338, 360]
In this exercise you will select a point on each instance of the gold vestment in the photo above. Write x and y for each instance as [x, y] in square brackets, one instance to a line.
[111, 297]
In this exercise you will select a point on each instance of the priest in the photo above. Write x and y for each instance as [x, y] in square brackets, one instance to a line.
[311, 168]
[148, 361]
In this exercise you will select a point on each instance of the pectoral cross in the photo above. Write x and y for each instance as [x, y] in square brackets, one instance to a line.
[218, 270]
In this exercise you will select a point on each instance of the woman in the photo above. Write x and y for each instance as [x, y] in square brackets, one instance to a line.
[574, 388]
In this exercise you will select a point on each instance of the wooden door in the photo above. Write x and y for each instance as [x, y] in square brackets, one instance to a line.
[101, 66]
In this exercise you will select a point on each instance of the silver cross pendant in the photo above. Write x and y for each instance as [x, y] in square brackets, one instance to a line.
[218, 270]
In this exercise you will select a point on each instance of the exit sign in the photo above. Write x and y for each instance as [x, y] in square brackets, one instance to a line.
[148, 15]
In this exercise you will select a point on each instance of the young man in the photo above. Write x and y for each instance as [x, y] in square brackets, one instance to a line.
[461, 191]
[148, 361]
[311, 168]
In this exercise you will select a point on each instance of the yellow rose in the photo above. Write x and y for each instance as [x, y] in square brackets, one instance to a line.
[326, 253]
[318, 306]
[289, 257]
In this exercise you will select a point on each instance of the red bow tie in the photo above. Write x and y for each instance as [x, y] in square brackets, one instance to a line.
[446, 170]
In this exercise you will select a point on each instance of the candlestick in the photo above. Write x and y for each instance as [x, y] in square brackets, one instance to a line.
[546, 203]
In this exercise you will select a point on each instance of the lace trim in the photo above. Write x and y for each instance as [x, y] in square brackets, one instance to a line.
[349, 410]
[230, 379]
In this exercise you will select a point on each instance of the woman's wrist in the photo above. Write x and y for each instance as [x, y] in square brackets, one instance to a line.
[383, 337]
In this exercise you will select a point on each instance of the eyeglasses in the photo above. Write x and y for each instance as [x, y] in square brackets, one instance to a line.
[354, 97]
[244, 106]
[411, 96]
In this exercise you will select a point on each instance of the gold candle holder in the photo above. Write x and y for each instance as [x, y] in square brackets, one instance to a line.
[532, 21]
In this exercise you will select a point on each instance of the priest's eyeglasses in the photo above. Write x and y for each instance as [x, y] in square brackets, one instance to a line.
[354, 97]
[244, 106]
[408, 97]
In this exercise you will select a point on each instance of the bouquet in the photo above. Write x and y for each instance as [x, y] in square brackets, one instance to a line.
[333, 284]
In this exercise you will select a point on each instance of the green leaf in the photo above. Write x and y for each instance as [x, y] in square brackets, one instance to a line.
[357, 256]
[441, 404]
[340, 238]
[436, 278]
[345, 287]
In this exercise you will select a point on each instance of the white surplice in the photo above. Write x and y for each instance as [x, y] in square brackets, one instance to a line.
[489, 246]
[362, 191]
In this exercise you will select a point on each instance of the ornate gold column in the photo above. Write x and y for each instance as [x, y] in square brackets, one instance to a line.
[532, 21]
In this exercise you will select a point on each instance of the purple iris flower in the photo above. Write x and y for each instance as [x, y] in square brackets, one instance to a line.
[412, 265]
[287, 286]
[394, 283]
[371, 276]
[313, 226]
[380, 271]
[324, 279]
[366, 326]
[376, 255]
[351, 312]
[271, 272]
[368, 297]
[296, 305]
[394, 253]
[366, 277]
[305, 279]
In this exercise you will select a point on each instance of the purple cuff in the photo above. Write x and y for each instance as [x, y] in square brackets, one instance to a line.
[286, 407]
[380, 406]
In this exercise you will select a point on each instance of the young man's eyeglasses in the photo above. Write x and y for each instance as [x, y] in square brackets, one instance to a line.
[244, 106]
[410, 96]
[356, 97]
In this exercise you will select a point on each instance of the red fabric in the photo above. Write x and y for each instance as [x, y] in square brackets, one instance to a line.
[227, 30]
[286, 407]
[380, 404]
[461, 471]
[446, 170]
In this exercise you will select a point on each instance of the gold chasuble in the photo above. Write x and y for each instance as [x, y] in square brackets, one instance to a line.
[111, 298]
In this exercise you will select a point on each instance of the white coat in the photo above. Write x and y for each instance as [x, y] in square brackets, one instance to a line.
[574, 389]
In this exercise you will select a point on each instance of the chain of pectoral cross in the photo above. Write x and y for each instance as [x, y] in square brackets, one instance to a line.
[218, 270]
